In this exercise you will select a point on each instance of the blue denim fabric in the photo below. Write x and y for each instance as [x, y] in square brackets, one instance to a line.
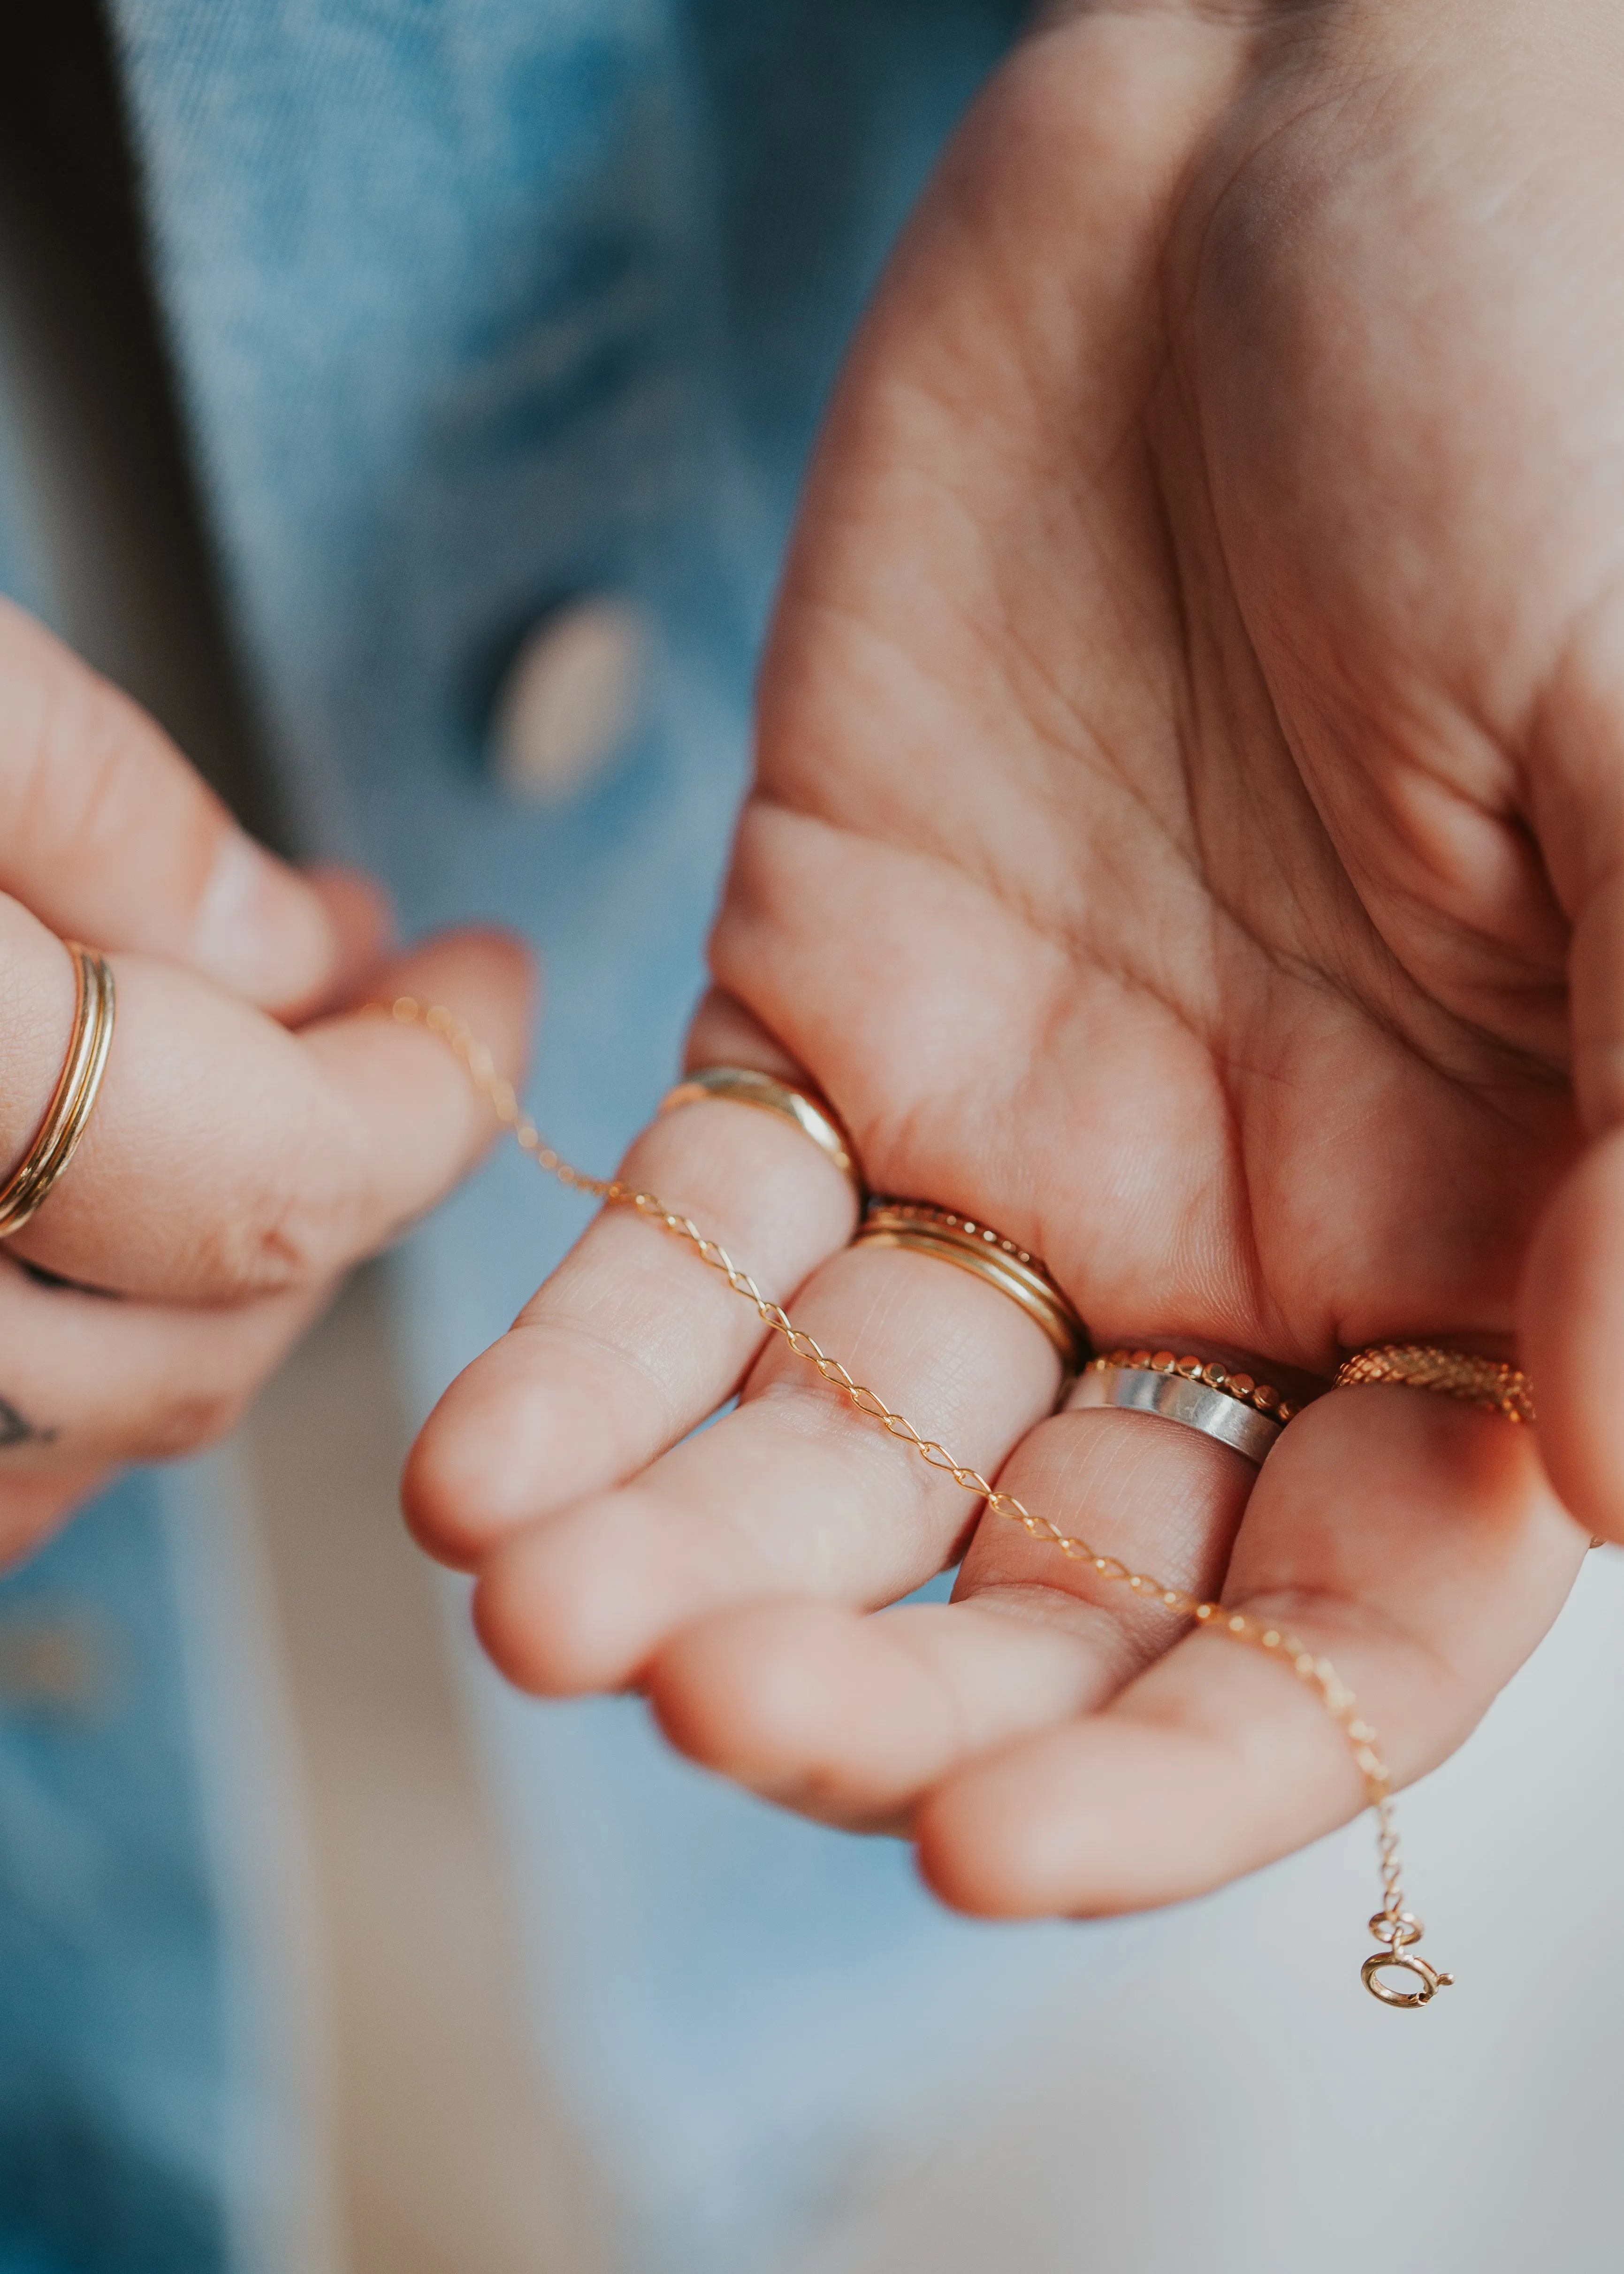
[113, 2040]
[116, 2065]
[20, 572]
[478, 306]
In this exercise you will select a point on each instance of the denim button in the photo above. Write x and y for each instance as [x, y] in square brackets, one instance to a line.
[571, 698]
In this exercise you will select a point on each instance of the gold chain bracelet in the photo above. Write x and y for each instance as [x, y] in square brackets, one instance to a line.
[1396, 1931]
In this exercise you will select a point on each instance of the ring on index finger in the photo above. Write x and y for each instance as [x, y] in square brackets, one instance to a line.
[803, 1109]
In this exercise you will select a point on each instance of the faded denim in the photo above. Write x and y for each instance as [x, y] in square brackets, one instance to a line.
[477, 305]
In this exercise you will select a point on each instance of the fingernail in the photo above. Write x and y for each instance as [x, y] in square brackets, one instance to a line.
[260, 929]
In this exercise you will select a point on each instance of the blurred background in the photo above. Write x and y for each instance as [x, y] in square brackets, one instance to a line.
[321, 1953]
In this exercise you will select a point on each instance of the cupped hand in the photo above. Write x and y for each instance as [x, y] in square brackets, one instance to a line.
[252, 1136]
[1189, 836]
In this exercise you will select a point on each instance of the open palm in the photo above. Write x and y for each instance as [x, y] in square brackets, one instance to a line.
[1183, 782]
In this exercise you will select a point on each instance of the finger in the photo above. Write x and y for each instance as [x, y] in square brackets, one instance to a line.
[226, 1157]
[88, 1380]
[791, 1491]
[723, 1032]
[850, 1719]
[632, 1342]
[1413, 1541]
[108, 835]
[1571, 1323]
[363, 924]
[1572, 1310]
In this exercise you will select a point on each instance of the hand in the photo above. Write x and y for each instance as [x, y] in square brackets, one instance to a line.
[1189, 835]
[232, 1169]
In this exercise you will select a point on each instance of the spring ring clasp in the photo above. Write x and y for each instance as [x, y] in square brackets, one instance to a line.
[1397, 1931]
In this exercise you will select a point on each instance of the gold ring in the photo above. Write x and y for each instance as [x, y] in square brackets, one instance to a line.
[958, 1239]
[56, 1139]
[1489, 1384]
[812, 1115]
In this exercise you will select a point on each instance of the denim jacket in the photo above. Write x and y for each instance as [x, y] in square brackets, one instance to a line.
[478, 307]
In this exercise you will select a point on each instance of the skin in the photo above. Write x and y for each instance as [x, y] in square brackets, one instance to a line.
[254, 1134]
[1188, 834]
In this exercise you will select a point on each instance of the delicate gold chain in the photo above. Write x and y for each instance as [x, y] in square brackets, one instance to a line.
[1395, 1930]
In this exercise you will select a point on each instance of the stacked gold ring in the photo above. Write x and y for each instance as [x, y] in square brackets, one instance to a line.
[813, 1115]
[67, 1116]
[976, 1247]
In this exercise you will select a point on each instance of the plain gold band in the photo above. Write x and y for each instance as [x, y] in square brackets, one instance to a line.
[977, 1248]
[1491, 1384]
[68, 1115]
[748, 1086]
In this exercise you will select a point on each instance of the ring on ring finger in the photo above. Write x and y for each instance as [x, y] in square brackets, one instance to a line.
[1235, 1409]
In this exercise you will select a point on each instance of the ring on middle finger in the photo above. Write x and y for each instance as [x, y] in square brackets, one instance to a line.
[1246, 1415]
[976, 1247]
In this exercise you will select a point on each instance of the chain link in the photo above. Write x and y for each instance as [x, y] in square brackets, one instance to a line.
[1393, 1927]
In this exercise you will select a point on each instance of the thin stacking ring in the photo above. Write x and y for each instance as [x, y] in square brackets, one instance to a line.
[1246, 1415]
[67, 1116]
[812, 1115]
[1488, 1383]
[976, 1247]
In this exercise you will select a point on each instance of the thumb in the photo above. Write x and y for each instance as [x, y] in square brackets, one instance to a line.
[107, 833]
[1572, 1337]
[1572, 1307]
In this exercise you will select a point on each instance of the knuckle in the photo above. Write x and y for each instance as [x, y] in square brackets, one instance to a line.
[273, 1243]
[94, 760]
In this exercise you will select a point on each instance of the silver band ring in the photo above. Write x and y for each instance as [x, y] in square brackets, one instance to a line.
[1175, 1397]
